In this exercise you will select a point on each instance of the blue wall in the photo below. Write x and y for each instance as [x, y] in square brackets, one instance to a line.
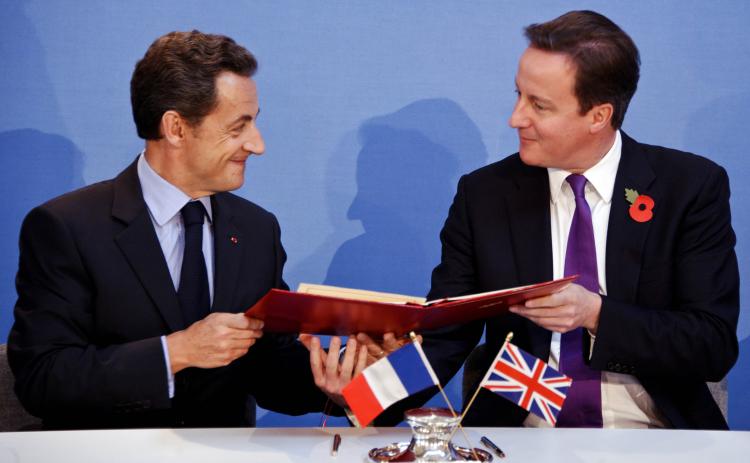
[371, 111]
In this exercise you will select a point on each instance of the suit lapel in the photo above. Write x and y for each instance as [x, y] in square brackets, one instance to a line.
[141, 247]
[529, 218]
[228, 248]
[625, 236]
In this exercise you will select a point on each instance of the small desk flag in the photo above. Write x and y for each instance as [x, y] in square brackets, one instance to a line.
[528, 382]
[402, 373]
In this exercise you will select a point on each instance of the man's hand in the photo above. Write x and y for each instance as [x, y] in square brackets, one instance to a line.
[213, 342]
[377, 350]
[330, 372]
[563, 311]
[333, 372]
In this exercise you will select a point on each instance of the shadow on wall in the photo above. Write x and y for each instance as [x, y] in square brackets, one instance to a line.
[34, 167]
[407, 168]
[406, 172]
[720, 139]
[26, 90]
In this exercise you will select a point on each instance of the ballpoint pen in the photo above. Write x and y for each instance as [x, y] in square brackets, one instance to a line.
[491, 445]
[336, 443]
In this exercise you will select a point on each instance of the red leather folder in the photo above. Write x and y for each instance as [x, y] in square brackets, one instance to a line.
[294, 312]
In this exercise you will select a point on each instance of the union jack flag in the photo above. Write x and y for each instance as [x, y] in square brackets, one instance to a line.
[527, 381]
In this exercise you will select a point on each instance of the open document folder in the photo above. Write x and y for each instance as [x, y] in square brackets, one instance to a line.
[319, 309]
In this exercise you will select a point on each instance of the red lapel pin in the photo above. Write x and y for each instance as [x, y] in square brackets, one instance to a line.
[234, 239]
[641, 206]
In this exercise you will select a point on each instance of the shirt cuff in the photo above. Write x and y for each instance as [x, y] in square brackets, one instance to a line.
[591, 344]
[170, 376]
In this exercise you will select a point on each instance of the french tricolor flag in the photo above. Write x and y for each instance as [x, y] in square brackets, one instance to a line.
[402, 373]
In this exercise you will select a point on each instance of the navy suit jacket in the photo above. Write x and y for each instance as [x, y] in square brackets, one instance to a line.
[670, 315]
[95, 295]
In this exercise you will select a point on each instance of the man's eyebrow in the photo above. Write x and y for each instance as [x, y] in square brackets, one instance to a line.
[243, 118]
[540, 99]
[533, 97]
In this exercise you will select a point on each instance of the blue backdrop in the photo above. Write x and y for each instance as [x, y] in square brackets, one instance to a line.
[371, 111]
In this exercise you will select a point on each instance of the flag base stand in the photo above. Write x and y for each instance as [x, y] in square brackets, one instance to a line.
[432, 429]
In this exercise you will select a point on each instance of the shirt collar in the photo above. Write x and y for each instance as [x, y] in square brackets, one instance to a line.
[163, 199]
[601, 176]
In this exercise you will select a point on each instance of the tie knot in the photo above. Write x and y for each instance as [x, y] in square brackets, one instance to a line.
[192, 213]
[577, 184]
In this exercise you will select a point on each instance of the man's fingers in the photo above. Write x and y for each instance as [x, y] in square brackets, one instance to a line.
[347, 365]
[390, 343]
[562, 312]
[361, 360]
[316, 361]
[309, 340]
[553, 300]
[568, 295]
[332, 360]
[306, 340]
[375, 349]
[250, 323]
[365, 340]
[235, 334]
[233, 320]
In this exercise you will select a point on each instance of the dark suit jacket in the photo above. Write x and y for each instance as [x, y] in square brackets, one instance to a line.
[670, 315]
[95, 295]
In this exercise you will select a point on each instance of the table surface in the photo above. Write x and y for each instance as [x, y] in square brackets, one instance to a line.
[314, 445]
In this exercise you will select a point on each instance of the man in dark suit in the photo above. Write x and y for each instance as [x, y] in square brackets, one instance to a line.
[131, 291]
[655, 309]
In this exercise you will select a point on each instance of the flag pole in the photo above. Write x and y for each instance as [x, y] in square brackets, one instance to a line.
[414, 339]
[508, 338]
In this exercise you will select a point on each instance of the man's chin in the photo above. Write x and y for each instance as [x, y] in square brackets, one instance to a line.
[230, 185]
[529, 158]
[236, 185]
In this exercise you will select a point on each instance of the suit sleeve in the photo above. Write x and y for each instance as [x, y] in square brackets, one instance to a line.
[696, 336]
[454, 276]
[59, 364]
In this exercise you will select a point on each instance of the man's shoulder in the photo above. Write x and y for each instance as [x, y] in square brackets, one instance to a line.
[502, 173]
[670, 161]
[244, 209]
[85, 200]
[506, 167]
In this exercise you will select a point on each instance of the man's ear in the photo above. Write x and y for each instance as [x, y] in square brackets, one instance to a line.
[601, 117]
[173, 127]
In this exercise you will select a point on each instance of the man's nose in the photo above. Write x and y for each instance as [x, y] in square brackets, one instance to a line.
[518, 117]
[255, 143]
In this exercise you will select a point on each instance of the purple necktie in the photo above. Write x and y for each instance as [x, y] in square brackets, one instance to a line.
[583, 405]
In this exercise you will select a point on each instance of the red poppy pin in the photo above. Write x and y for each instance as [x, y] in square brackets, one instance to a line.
[641, 206]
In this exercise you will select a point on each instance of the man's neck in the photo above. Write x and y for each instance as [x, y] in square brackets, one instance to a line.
[163, 161]
[599, 147]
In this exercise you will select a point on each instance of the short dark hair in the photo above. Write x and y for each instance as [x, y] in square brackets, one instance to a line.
[178, 72]
[606, 59]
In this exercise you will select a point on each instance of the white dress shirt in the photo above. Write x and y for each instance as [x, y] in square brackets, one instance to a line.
[164, 202]
[625, 403]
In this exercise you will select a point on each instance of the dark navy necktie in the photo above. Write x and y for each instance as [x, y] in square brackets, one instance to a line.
[192, 293]
[583, 405]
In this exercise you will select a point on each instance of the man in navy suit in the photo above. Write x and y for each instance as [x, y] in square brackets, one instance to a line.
[119, 321]
[660, 317]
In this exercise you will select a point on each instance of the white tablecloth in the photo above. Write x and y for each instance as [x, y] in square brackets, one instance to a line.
[314, 445]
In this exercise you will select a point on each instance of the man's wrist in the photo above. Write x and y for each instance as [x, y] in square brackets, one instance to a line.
[177, 359]
[596, 307]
